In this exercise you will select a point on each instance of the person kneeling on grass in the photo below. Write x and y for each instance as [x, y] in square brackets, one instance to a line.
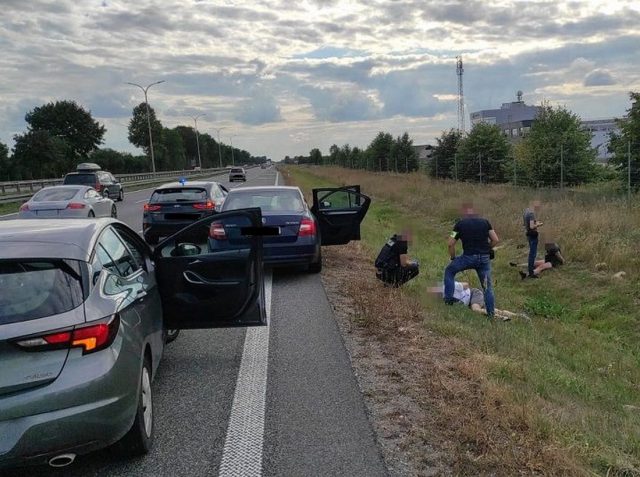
[552, 259]
[393, 266]
[474, 299]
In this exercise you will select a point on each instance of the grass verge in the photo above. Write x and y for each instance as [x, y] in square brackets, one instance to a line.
[557, 395]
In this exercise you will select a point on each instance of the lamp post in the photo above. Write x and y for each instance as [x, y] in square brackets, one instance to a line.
[219, 148]
[195, 123]
[146, 102]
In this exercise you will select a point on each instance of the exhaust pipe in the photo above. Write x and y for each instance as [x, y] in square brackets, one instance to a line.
[62, 460]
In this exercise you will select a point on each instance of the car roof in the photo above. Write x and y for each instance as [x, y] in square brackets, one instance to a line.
[66, 186]
[263, 188]
[50, 238]
[176, 185]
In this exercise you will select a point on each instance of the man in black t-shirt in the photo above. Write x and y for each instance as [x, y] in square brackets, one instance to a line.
[531, 231]
[478, 239]
[393, 266]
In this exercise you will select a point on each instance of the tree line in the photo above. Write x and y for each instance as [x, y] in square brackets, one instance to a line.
[62, 134]
[384, 153]
[556, 152]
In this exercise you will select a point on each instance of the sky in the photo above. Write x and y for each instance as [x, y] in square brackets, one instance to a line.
[282, 77]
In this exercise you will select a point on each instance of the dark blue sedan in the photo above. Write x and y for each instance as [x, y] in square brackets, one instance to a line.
[298, 231]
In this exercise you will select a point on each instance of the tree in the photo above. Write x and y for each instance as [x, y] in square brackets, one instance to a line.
[483, 154]
[380, 151]
[629, 138]
[39, 155]
[70, 122]
[557, 150]
[5, 165]
[139, 128]
[443, 157]
[404, 154]
[170, 153]
[315, 156]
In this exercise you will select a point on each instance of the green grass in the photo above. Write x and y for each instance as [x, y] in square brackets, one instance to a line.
[576, 365]
[9, 208]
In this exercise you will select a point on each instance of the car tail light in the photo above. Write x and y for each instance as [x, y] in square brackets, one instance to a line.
[75, 205]
[208, 205]
[307, 228]
[217, 232]
[92, 338]
[24, 207]
[97, 187]
[151, 208]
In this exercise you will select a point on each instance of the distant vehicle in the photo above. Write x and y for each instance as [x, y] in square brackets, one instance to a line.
[237, 174]
[83, 312]
[197, 168]
[175, 205]
[263, 165]
[334, 220]
[65, 202]
[91, 175]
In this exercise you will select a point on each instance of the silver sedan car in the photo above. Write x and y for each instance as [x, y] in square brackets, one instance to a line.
[67, 201]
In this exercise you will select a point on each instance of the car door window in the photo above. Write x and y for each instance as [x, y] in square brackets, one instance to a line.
[114, 255]
[134, 246]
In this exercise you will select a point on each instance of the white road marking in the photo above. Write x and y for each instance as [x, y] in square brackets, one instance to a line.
[9, 215]
[242, 453]
[277, 177]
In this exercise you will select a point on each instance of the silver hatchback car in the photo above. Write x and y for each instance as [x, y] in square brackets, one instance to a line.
[67, 202]
[82, 322]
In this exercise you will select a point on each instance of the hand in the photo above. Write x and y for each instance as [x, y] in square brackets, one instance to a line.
[539, 224]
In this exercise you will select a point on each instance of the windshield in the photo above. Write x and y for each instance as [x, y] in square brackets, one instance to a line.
[268, 201]
[81, 179]
[179, 195]
[32, 289]
[55, 194]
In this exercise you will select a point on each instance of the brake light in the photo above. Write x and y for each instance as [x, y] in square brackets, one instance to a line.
[24, 207]
[208, 205]
[75, 205]
[307, 228]
[97, 187]
[217, 232]
[151, 208]
[90, 338]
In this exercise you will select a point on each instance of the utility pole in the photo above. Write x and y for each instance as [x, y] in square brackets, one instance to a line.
[480, 160]
[219, 148]
[562, 167]
[455, 166]
[233, 160]
[195, 122]
[146, 102]
[459, 72]
[629, 173]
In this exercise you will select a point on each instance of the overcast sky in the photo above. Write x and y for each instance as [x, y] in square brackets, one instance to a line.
[284, 76]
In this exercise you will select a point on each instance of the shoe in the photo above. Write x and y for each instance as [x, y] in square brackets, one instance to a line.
[513, 264]
[506, 318]
[533, 275]
[522, 275]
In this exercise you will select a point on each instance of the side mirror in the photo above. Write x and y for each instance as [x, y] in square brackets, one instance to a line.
[185, 249]
[325, 204]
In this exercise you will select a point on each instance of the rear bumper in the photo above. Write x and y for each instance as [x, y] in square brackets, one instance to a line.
[287, 255]
[165, 228]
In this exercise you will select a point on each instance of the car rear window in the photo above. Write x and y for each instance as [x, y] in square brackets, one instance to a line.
[268, 201]
[183, 194]
[58, 193]
[237, 170]
[34, 289]
[80, 179]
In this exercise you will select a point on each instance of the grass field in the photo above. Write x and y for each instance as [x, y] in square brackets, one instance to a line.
[571, 375]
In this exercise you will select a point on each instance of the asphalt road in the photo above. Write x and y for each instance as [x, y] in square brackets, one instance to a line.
[217, 400]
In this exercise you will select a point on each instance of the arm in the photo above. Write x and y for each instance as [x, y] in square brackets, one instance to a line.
[493, 238]
[560, 257]
[404, 260]
[451, 246]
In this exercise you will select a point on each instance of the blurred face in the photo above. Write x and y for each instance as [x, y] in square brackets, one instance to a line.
[467, 208]
[406, 235]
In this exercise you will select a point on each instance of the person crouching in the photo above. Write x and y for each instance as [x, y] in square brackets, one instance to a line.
[393, 265]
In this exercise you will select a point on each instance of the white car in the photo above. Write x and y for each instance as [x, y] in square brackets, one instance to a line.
[67, 201]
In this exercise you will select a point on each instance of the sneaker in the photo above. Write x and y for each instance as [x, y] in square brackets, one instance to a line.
[522, 274]
[506, 318]
[513, 264]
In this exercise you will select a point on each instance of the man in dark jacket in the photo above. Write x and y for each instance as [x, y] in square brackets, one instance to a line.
[393, 266]
[478, 239]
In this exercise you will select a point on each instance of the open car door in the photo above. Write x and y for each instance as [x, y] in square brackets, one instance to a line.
[201, 287]
[339, 212]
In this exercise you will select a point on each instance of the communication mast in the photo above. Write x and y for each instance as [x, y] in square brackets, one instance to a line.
[459, 71]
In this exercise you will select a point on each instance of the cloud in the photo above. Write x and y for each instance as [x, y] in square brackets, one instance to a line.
[259, 109]
[599, 78]
[337, 105]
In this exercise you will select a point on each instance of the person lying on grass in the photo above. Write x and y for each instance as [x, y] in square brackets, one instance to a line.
[552, 258]
[474, 299]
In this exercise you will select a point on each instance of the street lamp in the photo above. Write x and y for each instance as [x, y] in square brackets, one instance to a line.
[219, 148]
[233, 160]
[146, 102]
[195, 122]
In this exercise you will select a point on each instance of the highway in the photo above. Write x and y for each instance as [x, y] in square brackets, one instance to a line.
[274, 401]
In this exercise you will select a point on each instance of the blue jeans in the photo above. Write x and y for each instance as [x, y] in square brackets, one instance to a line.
[533, 250]
[482, 265]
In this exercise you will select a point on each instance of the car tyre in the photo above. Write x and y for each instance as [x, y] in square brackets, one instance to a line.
[91, 214]
[114, 211]
[120, 195]
[316, 267]
[170, 335]
[139, 439]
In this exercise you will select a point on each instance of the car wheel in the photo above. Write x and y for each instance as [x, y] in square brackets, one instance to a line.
[139, 439]
[105, 193]
[170, 335]
[91, 214]
[114, 211]
[121, 196]
[316, 267]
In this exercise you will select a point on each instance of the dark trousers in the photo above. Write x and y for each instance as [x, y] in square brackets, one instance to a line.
[482, 265]
[398, 276]
[533, 250]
